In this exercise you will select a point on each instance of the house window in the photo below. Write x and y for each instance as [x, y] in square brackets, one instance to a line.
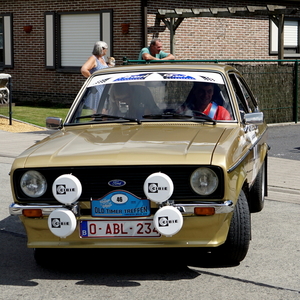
[76, 36]
[291, 38]
[6, 47]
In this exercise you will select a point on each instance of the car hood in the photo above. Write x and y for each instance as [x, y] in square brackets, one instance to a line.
[128, 144]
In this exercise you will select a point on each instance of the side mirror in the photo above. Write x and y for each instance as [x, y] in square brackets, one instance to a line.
[53, 123]
[256, 118]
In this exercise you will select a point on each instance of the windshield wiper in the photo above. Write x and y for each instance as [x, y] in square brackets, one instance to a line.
[170, 115]
[107, 117]
[167, 115]
[201, 116]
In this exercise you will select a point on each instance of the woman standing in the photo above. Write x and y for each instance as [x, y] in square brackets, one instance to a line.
[96, 61]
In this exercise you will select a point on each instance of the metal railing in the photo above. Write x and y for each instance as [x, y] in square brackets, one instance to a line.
[275, 83]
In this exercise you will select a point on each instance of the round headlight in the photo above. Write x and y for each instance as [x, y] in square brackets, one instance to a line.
[204, 181]
[33, 184]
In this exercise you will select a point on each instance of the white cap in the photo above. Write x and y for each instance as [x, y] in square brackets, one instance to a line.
[66, 189]
[62, 222]
[158, 187]
[168, 220]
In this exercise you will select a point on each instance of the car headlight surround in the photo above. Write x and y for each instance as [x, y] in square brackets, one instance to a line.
[33, 184]
[204, 181]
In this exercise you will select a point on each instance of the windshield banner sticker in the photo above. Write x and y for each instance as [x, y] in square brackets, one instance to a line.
[120, 204]
[177, 76]
[154, 76]
[133, 77]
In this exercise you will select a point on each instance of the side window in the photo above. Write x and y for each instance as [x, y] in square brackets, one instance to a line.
[243, 94]
[247, 95]
[238, 94]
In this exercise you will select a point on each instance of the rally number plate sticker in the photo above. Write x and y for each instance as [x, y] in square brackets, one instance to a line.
[120, 204]
[118, 229]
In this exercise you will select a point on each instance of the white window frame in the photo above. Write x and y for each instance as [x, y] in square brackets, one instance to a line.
[291, 38]
[8, 56]
[77, 33]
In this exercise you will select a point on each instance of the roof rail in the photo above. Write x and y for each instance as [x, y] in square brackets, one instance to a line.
[136, 61]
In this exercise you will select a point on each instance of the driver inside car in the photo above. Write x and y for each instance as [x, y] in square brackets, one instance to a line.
[205, 98]
[132, 101]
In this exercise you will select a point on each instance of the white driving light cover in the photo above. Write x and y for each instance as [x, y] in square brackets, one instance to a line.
[62, 222]
[33, 184]
[204, 181]
[158, 187]
[66, 189]
[168, 220]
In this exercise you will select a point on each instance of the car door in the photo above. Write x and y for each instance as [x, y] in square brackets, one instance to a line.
[253, 134]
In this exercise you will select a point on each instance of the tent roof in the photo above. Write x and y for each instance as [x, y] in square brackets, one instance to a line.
[226, 12]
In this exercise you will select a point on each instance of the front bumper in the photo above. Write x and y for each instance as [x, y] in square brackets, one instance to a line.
[186, 209]
[197, 231]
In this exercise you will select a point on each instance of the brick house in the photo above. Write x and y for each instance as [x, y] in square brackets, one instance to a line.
[44, 43]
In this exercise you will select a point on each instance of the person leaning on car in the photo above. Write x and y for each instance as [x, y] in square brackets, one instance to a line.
[203, 98]
[154, 52]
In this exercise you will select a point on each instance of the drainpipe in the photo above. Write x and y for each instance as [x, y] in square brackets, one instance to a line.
[144, 11]
[296, 80]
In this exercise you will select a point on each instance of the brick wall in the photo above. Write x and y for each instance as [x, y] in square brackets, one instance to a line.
[31, 81]
[196, 38]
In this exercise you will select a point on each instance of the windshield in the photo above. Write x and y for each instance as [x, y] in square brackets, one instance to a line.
[152, 96]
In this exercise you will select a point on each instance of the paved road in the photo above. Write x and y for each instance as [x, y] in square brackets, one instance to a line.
[270, 270]
[284, 141]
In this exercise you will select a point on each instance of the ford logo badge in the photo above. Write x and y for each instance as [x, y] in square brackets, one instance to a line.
[116, 182]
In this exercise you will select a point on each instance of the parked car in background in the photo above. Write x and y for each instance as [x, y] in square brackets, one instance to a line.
[141, 162]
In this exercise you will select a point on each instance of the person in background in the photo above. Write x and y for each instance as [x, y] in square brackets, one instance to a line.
[96, 61]
[154, 52]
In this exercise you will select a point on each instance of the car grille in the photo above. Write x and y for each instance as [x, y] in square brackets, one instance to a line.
[95, 180]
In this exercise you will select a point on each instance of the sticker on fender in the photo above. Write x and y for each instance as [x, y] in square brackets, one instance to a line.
[118, 229]
[120, 204]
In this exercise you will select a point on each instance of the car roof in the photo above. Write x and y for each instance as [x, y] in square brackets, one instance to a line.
[222, 68]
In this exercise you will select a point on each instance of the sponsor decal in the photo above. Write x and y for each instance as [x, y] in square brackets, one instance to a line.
[101, 81]
[57, 223]
[133, 77]
[118, 204]
[155, 188]
[61, 189]
[176, 76]
[164, 221]
[206, 78]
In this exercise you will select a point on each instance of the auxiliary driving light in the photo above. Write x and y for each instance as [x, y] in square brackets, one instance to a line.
[62, 222]
[168, 220]
[66, 189]
[158, 187]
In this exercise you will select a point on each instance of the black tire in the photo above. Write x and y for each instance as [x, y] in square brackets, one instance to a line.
[235, 249]
[257, 193]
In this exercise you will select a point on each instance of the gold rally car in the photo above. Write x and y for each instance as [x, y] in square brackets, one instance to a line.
[149, 156]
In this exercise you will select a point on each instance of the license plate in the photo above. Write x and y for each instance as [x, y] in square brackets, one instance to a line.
[118, 229]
